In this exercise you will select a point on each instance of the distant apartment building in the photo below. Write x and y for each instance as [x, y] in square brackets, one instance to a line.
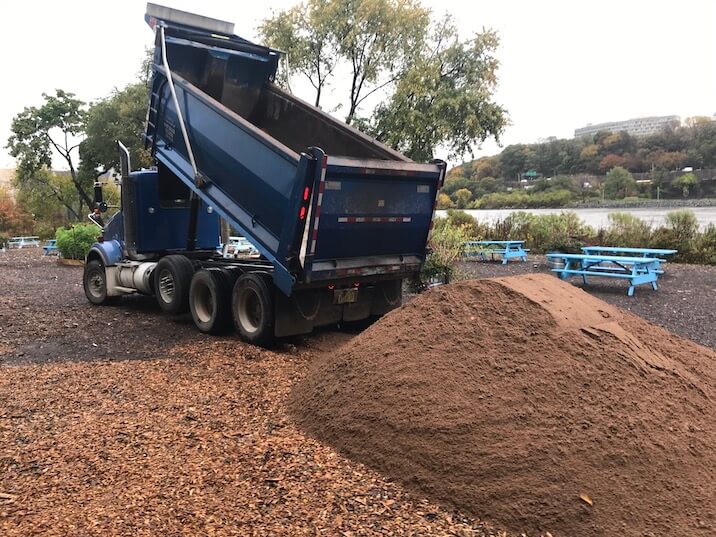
[641, 126]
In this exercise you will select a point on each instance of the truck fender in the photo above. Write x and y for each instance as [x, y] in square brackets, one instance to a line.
[108, 252]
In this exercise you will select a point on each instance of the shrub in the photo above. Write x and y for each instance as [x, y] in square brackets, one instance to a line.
[75, 242]
[446, 243]
[627, 230]
[680, 233]
[705, 246]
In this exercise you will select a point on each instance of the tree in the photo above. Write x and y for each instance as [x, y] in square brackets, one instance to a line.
[444, 201]
[374, 40]
[685, 182]
[445, 98]
[619, 184]
[120, 116]
[305, 34]
[611, 161]
[379, 38]
[462, 198]
[12, 219]
[49, 196]
[36, 132]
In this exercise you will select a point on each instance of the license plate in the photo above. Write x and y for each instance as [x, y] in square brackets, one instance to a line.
[345, 296]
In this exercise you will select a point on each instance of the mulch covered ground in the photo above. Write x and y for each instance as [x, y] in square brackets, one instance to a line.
[119, 421]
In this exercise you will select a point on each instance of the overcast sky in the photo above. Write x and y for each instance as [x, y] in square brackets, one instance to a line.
[563, 63]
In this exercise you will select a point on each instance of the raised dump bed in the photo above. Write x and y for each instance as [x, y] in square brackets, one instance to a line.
[318, 198]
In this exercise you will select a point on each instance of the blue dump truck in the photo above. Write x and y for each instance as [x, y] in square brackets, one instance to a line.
[340, 220]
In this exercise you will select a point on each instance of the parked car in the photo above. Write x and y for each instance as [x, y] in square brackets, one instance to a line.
[23, 242]
[239, 247]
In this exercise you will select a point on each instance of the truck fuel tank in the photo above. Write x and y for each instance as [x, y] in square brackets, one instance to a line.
[136, 276]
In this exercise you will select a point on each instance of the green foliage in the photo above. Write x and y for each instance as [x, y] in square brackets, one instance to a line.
[435, 90]
[74, 242]
[547, 232]
[304, 32]
[444, 201]
[522, 199]
[446, 243]
[627, 230]
[619, 184]
[444, 98]
[50, 197]
[681, 233]
[462, 198]
[37, 132]
[120, 116]
[686, 183]
[693, 144]
[705, 246]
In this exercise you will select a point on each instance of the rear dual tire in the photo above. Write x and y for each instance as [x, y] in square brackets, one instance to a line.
[210, 300]
[214, 304]
[252, 308]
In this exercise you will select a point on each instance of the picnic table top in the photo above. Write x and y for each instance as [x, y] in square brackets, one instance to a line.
[612, 258]
[484, 243]
[655, 251]
[35, 237]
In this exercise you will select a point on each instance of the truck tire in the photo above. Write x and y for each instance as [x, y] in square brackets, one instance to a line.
[210, 301]
[253, 309]
[94, 281]
[172, 278]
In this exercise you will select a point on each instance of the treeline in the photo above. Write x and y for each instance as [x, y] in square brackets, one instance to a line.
[579, 168]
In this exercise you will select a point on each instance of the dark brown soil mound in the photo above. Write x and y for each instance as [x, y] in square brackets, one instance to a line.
[531, 404]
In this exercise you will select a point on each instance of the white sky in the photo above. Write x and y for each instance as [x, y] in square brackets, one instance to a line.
[563, 63]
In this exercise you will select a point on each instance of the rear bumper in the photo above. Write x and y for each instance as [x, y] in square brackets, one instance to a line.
[398, 266]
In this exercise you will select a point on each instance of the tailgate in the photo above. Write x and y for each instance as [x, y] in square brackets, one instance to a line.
[370, 217]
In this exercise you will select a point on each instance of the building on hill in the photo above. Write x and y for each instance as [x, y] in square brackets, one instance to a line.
[641, 126]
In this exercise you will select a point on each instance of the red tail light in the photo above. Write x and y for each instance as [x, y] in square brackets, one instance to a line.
[306, 191]
[302, 214]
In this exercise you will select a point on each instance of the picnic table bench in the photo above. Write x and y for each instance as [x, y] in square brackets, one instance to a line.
[638, 270]
[50, 247]
[507, 249]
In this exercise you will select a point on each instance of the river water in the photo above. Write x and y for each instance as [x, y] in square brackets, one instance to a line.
[599, 217]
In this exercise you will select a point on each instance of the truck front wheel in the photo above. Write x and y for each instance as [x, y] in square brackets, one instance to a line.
[172, 278]
[210, 300]
[252, 308]
[94, 282]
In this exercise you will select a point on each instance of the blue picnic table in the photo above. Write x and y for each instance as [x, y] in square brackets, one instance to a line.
[51, 247]
[638, 270]
[652, 253]
[507, 249]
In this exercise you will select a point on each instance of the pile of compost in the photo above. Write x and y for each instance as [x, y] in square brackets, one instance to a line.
[530, 404]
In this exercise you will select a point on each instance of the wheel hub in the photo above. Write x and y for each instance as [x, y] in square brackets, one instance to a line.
[166, 286]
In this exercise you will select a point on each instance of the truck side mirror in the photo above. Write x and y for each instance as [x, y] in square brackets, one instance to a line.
[98, 197]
